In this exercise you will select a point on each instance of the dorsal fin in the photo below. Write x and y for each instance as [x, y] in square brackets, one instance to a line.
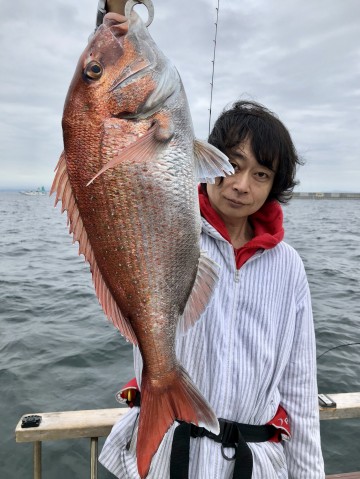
[61, 185]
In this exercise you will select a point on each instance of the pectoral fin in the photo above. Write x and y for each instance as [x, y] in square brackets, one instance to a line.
[149, 145]
[210, 162]
[145, 145]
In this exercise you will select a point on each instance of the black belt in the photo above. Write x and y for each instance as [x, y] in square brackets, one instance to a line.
[232, 434]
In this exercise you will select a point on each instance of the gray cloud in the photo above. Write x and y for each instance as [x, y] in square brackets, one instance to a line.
[300, 59]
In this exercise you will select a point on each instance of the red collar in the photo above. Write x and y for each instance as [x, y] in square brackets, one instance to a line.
[267, 224]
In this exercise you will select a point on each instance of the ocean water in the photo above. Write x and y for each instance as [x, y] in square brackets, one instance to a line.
[58, 352]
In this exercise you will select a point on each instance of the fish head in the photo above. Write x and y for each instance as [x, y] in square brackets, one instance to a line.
[121, 74]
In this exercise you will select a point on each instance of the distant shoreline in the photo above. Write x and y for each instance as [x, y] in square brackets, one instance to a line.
[326, 196]
[296, 195]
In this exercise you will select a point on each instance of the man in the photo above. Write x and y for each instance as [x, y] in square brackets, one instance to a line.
[252, 354]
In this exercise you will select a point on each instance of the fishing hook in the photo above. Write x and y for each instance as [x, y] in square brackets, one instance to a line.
[130, 4]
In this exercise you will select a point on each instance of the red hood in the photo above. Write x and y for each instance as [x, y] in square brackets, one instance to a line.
[267, 224]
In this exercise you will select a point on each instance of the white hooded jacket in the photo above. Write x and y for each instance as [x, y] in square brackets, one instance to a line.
[252, 350]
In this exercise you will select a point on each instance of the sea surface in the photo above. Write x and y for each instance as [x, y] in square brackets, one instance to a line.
[58, 352]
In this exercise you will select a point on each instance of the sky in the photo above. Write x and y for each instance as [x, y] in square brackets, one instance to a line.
[301, 59]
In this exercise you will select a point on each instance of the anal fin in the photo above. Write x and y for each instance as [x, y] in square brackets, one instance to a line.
[205, 283]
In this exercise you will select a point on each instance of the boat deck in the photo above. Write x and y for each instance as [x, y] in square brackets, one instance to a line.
[350, 475]
[98, 423]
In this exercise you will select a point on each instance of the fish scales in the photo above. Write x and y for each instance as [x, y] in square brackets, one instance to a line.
[128, 180]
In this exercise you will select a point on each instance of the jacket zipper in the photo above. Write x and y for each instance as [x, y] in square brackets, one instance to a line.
[237, 271]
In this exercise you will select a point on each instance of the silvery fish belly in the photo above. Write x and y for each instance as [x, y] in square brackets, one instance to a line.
[128, 180]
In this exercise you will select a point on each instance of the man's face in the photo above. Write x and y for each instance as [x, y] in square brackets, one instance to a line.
[240, 195]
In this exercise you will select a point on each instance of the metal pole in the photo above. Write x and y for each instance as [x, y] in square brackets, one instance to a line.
[37, 460]
[93, 458]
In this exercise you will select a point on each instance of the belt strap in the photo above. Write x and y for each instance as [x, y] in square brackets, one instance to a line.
[232, 434]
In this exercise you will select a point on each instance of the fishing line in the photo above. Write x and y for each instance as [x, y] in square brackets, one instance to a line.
[336, 347]
[213, 62]
[210, 111]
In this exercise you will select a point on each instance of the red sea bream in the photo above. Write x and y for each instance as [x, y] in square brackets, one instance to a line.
[128, 180]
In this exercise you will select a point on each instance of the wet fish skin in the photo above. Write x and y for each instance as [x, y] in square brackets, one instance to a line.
[128, 135]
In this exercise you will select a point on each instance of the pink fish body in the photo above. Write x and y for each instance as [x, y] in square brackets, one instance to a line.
[128, 180]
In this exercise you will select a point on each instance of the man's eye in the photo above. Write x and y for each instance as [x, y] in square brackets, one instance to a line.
[235, 166]
[262, 175]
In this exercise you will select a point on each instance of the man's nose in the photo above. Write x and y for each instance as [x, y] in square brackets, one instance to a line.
[241, 181]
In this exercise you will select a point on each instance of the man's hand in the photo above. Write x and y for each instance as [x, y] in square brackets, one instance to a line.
[117, 6]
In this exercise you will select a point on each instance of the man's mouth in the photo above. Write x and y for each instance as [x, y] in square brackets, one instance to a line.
[236, 202]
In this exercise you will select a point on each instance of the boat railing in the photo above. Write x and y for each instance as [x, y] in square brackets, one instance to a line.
[97, 423]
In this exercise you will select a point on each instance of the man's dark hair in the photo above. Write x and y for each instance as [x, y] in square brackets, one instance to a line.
[269, 139]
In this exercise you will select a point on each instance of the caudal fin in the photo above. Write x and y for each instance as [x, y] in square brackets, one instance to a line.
[180, 399]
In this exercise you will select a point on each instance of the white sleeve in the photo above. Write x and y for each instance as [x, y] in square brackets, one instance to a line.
[298, 390]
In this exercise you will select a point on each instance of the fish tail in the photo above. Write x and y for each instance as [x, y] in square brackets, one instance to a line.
[180, 400]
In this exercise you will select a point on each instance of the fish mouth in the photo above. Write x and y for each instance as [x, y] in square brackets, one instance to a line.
[117, 25]
[117, 17]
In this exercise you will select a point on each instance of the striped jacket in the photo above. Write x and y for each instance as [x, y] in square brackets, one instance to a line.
[252, 349]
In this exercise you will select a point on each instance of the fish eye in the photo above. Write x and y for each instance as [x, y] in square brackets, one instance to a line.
[93, 70]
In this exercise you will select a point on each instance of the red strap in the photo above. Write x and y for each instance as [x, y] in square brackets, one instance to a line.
[128, 393]
[281, 422]
[131, 385]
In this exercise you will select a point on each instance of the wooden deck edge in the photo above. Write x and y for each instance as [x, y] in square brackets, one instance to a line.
[70, 425]
[349, 475]
[347, 406]
[98, 422]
